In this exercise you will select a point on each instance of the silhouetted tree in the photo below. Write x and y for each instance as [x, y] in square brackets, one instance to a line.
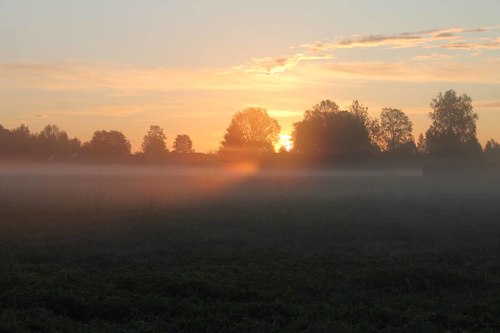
[421, 145]
[20, 142]
[453, 129]
[4, 137]
[492, 149]
[108, 145]
[326, 130]
[52, 141]
[310, 135]
[396, 132]
[251, 130]
[372, 125]
[183, 144]
[154, 145]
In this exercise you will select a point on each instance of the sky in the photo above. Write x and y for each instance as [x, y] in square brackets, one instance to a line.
[189, 65]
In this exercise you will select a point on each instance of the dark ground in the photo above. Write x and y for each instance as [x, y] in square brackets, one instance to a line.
[270, 254]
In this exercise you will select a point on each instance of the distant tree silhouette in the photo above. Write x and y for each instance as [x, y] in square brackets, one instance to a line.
[4, 141]
[20, 142]
[453, 129]
[310, 134]
[52, 142]
[251, 130]
[492, 149]
[108, 145]
[326, 130]
[372, 125]
[154, 145]
[183, 144]
[396, 132]
[421, 145]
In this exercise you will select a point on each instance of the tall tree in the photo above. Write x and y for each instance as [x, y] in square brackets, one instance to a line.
[183, 144]
[453, 128]
[360, 111]
[396, 131]
[310, 134]
[108, 145]
[154, 143]
[251, 130]
[326, 130]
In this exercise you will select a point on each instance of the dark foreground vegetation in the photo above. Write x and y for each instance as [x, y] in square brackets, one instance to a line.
[269, 253]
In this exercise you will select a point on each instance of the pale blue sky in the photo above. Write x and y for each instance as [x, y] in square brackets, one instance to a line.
[189, 65]
[210, 32]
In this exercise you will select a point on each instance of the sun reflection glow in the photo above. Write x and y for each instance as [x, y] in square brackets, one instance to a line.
[286, 142]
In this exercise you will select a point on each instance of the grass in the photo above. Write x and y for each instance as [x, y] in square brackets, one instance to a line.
[260, 256]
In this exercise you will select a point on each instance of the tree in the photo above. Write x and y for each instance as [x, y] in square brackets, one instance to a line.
[310, 134]
[251, 130]
[20, 141]
[326, 130]
[183, 144]
[154, 145]
[4, 137]
[492, 149]
[421, 145]
[372, 125]
[108, 145]
[453, 128]
[53, 141]
[52, 132]
[396, 131]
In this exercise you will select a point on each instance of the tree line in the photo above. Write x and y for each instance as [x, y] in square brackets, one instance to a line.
[326, 130]
[53, 143]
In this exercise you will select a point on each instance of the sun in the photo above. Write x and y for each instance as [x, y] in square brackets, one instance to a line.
[285, 141]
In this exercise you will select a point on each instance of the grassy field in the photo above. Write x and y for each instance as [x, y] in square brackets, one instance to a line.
[154, 252]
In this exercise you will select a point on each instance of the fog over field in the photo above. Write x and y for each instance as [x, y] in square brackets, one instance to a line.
[166, 186]
[233, 248]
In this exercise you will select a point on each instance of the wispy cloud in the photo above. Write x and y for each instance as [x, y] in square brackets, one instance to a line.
[410, 71]
[495, 104]
[432, 56]
[448, 38]
[272, 65]
[471, 46]
[401, 40]
[315, 64]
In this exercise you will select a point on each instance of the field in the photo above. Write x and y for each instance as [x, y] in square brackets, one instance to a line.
[109, 249]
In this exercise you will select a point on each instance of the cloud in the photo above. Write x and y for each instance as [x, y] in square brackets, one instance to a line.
[450, 38]
[275, 65]
[488, 104]
[486, 71]
[432, 56]
[469, 46]
[314, 65]
[106, 79]
[108, 111]
[403, 40]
